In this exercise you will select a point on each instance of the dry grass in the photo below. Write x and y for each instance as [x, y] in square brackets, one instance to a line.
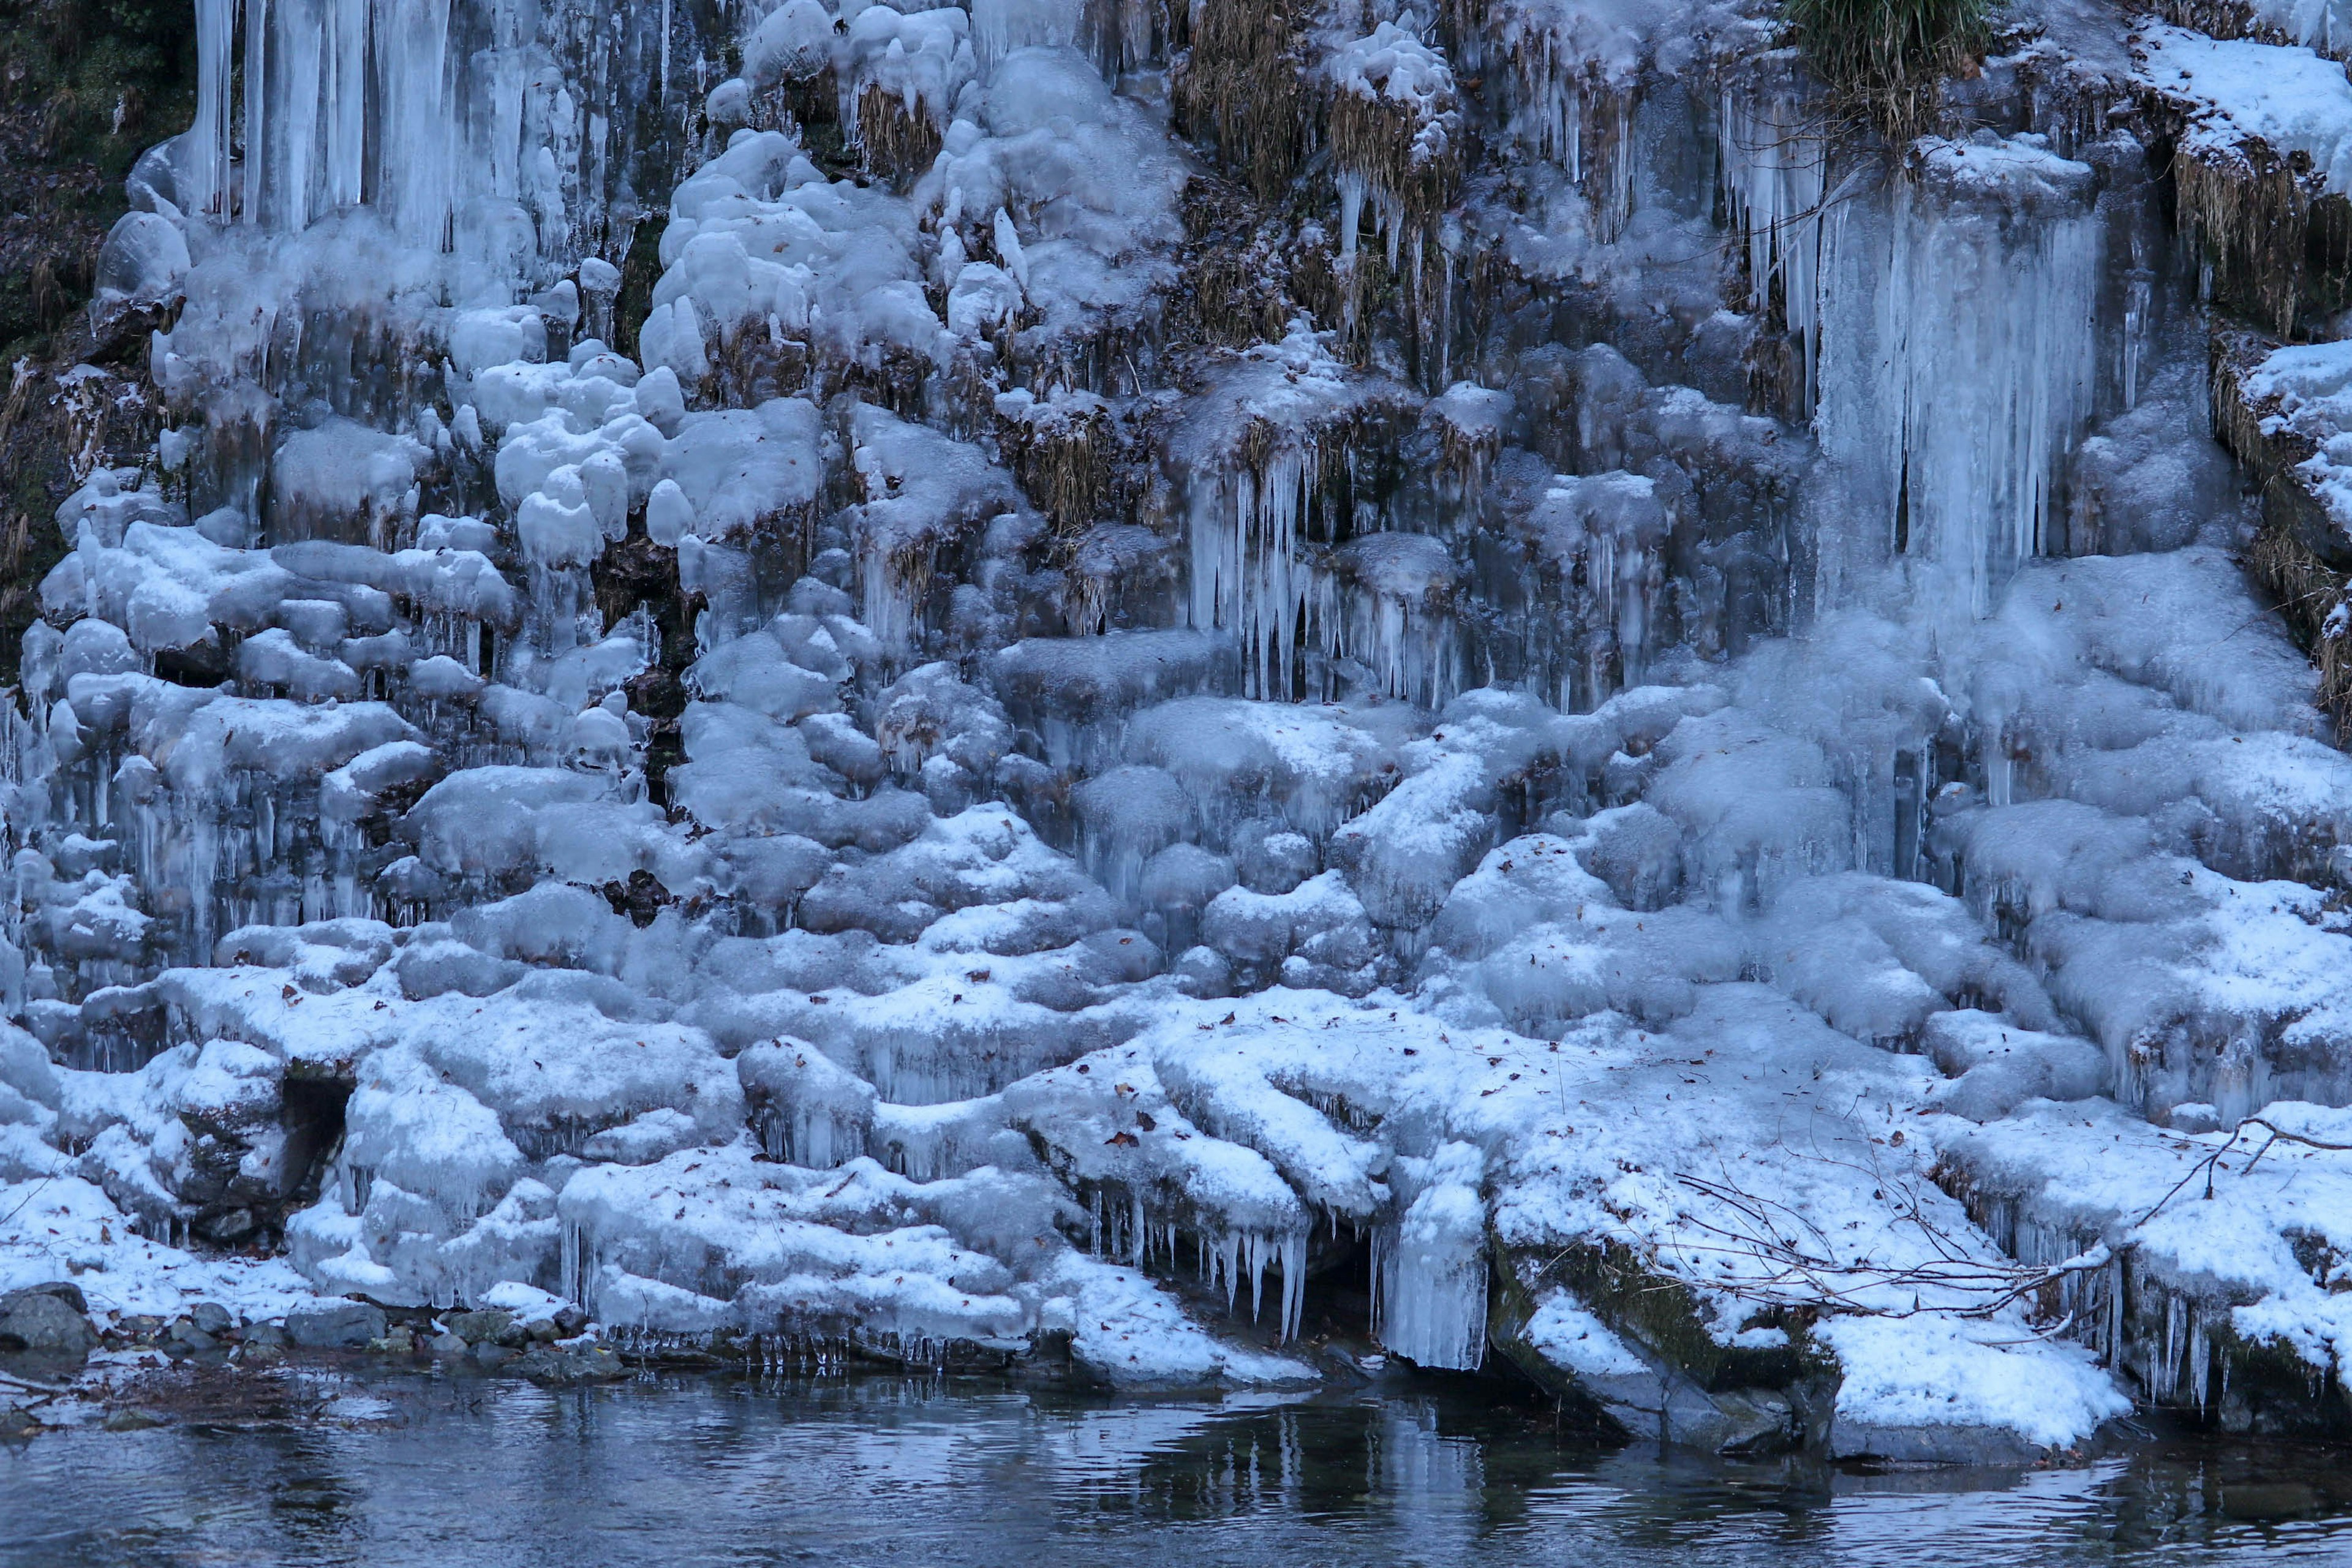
[2307, 588]
[1241, 87]
[1887, 57]
[1067, 463]
[2277, 247]
[895, 141]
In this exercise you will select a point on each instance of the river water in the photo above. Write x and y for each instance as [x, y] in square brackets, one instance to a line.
[429, 1468]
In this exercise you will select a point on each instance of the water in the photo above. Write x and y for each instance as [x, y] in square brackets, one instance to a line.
[430, 1469]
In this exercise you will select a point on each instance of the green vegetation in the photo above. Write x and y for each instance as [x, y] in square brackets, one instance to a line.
[85, 86]
[1886, 56]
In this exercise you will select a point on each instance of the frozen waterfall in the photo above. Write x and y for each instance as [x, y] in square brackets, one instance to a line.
[1187, 694]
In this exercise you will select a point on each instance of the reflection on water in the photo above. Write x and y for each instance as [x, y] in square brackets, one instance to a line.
[464, 1470]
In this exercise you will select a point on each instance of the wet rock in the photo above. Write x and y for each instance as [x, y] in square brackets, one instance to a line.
[183, 1338]
[479, 1328]
[1595, 1329]
[572, 1363]
[1931, 1445]
[335, 1325]
[47, 1320]
[1340, 1364]
[212, 1318]
[131, 1421]
[139, 1328]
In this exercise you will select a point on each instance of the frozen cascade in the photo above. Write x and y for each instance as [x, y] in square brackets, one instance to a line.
[1955, 401]
[964, 696]
[441, 116]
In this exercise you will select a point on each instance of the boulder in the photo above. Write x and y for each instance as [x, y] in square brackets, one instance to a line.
[65, 1290]
[477, 1328]
[1924, 1445]
[1590, 1325]
[47, 1320]
[571, 1363]
[335, 1325]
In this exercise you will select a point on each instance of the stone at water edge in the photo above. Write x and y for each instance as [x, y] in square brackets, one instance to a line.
[1654, 1372]
[335, 1325]
[1937, 1445]
[47, 1320]
[582, 1364]
[489, 1324]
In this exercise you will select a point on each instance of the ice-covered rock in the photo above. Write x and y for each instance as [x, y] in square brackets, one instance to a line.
[993, 697]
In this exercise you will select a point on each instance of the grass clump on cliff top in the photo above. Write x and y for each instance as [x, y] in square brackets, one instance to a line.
[1887, 56]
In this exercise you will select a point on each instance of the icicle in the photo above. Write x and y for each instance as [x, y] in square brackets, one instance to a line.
[1294, 1285]
[209, 140]
[1961, 392]
[1246, 574]
[1773, 184]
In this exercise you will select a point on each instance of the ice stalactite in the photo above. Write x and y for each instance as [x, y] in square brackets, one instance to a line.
[1001, 26]
[1956, 394]
[1429, 1265]
[1384, 608]
[1564, 80]
[1264, 454]
[1395, 124]
[1243, 1258]
[1775, 164]
[1395, 132]
[1574, 112]
[343, 101]
[1246, 571]
[1597, 543]
[482, 127]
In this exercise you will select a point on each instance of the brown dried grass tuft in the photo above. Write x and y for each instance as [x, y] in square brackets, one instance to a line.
[1240, 87]
[1887, 59]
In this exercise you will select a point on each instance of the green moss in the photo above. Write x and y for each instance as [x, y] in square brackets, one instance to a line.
[641, 269]
[85, 85]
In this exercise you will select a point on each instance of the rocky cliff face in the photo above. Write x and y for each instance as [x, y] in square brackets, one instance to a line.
[83, 88]
[1163, 690]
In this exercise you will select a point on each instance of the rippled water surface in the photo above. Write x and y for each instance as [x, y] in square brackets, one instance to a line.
[426, 1470]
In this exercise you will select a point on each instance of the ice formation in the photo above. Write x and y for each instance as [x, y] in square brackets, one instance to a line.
[1070, 683]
